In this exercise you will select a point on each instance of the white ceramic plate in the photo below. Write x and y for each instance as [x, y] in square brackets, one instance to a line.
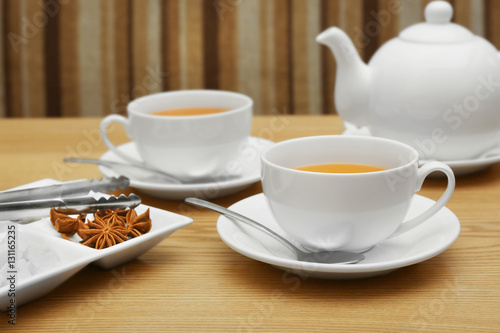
[424, 242]
[466, 167]
[74, 256]
[245, 172]
[459, 167]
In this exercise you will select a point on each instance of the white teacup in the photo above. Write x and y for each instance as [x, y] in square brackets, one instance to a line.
[346, 211]
[188, 147]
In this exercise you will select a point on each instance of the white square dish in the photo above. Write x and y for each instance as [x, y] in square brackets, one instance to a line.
[74, 256]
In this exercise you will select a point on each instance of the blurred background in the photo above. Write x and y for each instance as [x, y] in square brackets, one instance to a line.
[72, 58]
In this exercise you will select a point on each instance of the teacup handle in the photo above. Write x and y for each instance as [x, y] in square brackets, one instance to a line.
[423, 172]
[115, 118]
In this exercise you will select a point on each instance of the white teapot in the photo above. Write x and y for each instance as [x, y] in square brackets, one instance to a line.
[435, 87]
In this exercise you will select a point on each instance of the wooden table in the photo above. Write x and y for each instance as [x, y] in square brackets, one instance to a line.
[193, 282]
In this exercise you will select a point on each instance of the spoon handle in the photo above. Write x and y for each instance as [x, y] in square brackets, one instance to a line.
[115, 165]
[230, 213]
[83, 160]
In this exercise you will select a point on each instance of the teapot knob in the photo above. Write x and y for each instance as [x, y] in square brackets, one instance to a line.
[438, 12]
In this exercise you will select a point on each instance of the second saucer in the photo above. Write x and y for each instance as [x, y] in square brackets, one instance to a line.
[242, 172]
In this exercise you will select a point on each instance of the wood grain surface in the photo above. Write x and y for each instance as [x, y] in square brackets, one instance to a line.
[193, 282]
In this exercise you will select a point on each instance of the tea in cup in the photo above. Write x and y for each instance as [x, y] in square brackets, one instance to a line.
[189, 134]
[345, 192]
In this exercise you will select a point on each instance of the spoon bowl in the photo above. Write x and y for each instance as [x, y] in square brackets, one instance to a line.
[323, 257]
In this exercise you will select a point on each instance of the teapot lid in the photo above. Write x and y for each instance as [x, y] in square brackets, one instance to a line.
[437, 28]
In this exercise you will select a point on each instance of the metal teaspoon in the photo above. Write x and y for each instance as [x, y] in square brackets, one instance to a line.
[324, 257]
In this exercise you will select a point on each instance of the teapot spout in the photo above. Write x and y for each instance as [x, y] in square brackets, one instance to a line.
[352, 78]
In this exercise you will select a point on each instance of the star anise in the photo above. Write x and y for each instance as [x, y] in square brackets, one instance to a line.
[138, 225]
[116, 216]
[55, 214]
[65, 224]
[81, 230]
[102, 233]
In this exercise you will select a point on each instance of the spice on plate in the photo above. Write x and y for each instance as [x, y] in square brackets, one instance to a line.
[65, 224]
[109, 227]
[102, 233]
[138, 225]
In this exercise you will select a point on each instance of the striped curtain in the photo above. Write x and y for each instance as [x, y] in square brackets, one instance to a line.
[91, 57]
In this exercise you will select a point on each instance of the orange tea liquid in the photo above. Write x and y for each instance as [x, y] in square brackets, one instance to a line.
[189, 111]
[341, 168]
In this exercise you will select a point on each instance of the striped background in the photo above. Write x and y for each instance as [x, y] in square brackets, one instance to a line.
[90, 57]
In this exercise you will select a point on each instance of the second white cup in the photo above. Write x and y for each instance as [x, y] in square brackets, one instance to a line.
[191, 146]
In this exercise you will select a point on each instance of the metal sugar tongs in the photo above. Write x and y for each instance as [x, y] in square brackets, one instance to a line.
[27, 205]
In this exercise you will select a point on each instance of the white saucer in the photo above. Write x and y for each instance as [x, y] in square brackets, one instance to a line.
[424, 242]
[459, 167]
[247, 165]
[466, 167]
